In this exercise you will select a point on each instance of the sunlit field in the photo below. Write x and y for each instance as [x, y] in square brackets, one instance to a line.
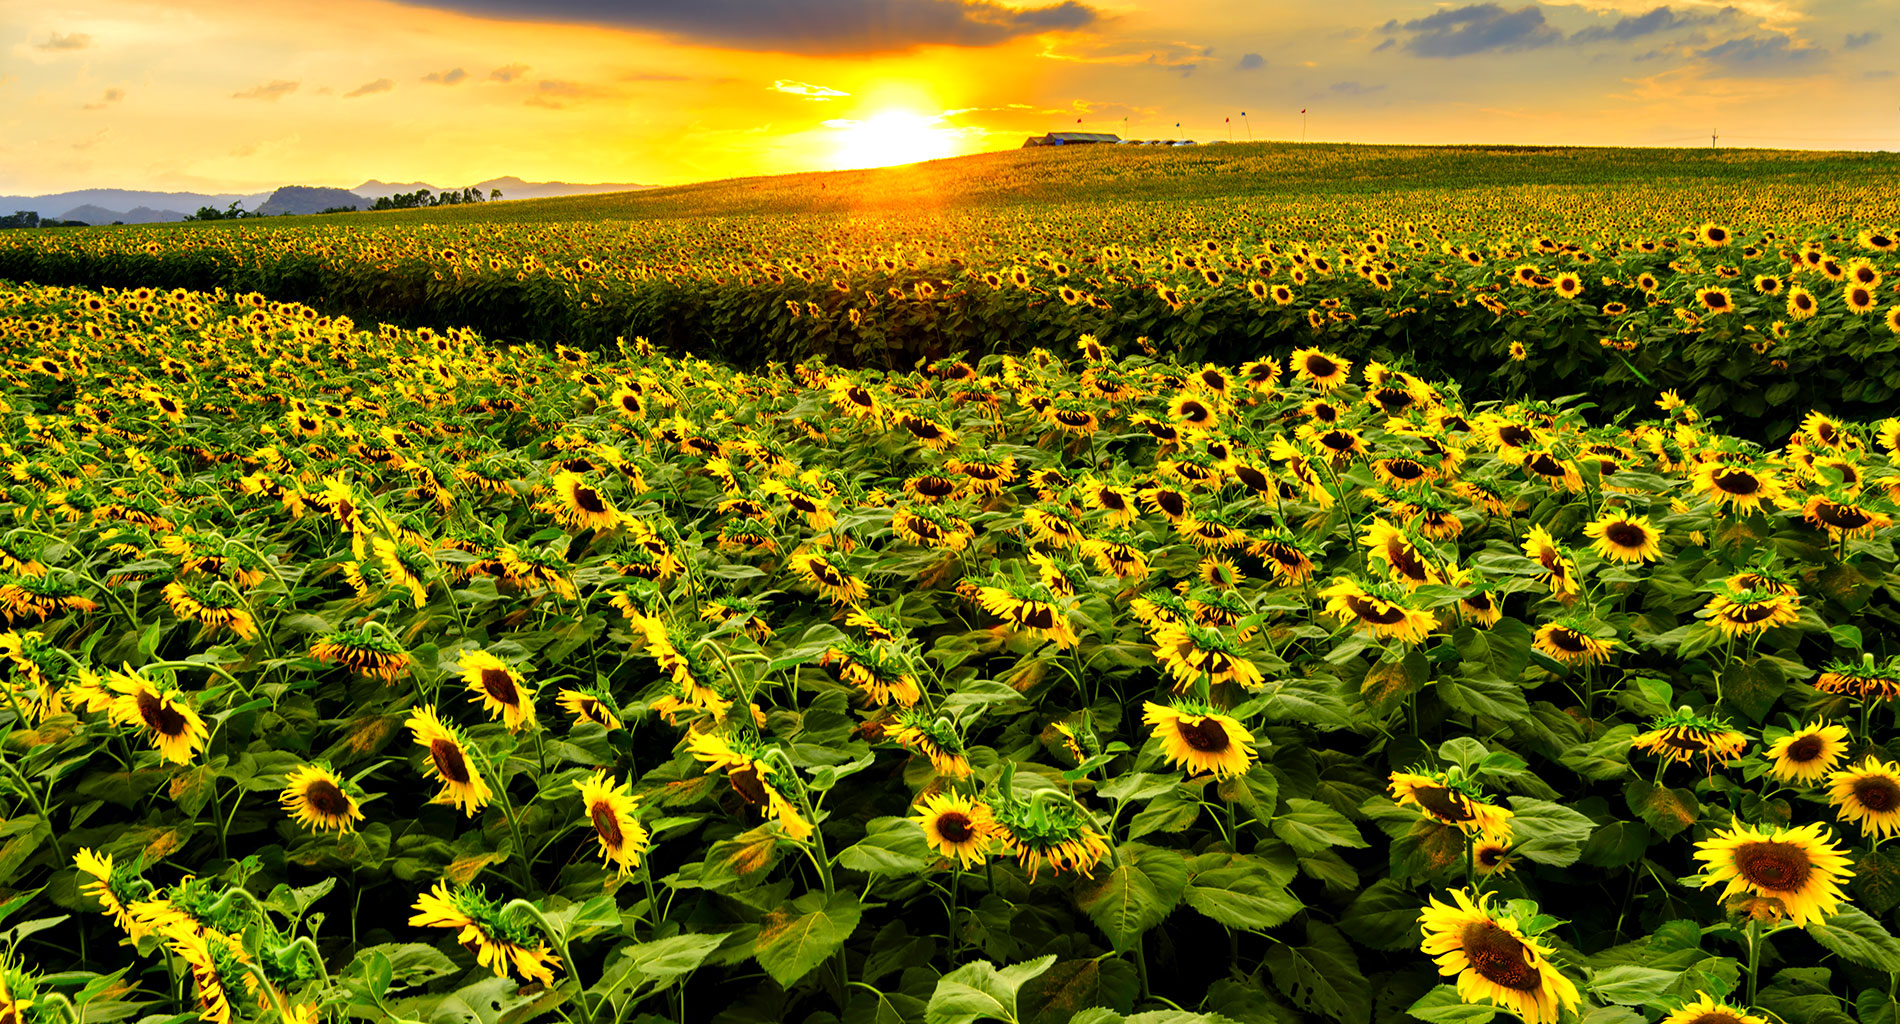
[1252, 583]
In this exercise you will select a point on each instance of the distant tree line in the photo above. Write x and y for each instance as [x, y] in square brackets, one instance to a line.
[233, 212]
[30, 219]
[423, 197]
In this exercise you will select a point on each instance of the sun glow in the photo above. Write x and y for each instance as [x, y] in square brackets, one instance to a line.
[893, 137]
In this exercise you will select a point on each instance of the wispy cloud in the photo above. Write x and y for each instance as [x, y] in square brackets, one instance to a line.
[807, 90]
[1251, 62]
[111, 96]
[75, 41]
[370, 88]
[453, 76]
[1856, 40]
[274, 90]
[508, 73]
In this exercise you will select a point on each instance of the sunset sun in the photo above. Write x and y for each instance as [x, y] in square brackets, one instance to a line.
[893, 137]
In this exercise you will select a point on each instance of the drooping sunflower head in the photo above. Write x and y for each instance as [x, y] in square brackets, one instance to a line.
[1449, 798]
[1376, 608]
[1574, 641]
[115, 886]
[498, 688]
[369, 652]
[1708, 1010]
[1866, 680]
[1684, 735]
[499, 941]
[590, 704]
[1046, 833]
[936, 738]
[1747, 612]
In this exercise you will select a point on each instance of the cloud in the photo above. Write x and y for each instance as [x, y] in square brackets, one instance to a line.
[1661, 19]
[508, 74]
[453, 76]
[111, 96]
[1856, 40]
[367, 88]
[808, 26]
[807, 90]
[1252, 62]
[273, 91]
[1477, 28]
[1876, 76]
[1762, 55]
[1356, 89]
[76, 41]
[1168, 56]
[555, 94]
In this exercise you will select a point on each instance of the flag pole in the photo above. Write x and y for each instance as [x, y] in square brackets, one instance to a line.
[1302, 126]
[1248, 124]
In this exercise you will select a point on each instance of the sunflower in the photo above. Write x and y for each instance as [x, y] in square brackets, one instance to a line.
[1860, 298]
[317, 797]
[1843, 519]
[215, 959]
[750, 777]
[957, 827]
[1622, 537]
[1716, 300]
[935, 738]
[1805, 756]
[1706, 1010]
[1283, 555]
[1491, 854]
[1736, 487]
[1567, 641]
[1449, 798]
[167, 719]
[1747, 612]
[1683, 735]
[1388, 544]
[1200, 739]
[1869, 680]
[1493, 959]
[581, 506]
[462, 783]
[366, 652]
[1375, 608]
[1560, 571]
[1713, 234]
[498, 942]
[835, 584]
[610, 810]
[1796, 872]
[1193, 412]
[498, 688]
[1868, 793]
[113, 887]
[194, 603]
[1322, 369]
[586, 705]
[1049, 834]
[1193, 654]
[1027, 607]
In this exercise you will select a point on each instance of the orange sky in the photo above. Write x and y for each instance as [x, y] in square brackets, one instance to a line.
[246, 95]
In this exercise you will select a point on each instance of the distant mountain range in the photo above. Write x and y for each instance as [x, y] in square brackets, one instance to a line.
[110, 205]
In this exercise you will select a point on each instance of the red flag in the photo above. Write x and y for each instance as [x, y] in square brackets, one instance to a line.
[1229, 120]
[1078, 120]
[1302, 110]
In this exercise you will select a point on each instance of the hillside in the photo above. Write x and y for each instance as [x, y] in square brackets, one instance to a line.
[305, 199]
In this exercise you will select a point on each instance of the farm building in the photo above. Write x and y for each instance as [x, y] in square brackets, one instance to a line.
[1070, 139]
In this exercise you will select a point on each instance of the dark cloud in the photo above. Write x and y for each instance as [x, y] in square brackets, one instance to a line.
[1252, 62]
[1356, 88]
[1856, 40]
[509, 73]
[367, 88]
[1762, 55]
[276, 90]
[76, 41]
[453, 76]
[1476, 28]
[1661, 19]
[807, 26]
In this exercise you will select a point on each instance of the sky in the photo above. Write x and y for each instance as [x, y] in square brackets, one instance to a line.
[246, 95]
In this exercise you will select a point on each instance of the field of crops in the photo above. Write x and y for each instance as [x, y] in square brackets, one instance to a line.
[1310, 666]
[1760, 286]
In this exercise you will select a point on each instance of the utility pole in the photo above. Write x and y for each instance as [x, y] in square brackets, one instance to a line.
[1711, 138]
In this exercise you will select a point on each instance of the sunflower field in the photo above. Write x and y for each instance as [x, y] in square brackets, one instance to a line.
[362, 671]
[1759, 286]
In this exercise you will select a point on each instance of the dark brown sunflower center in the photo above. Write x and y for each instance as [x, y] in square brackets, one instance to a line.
[1715, 1017]
[1751, 613]
[1877, 793]
[1375, 611]
[1841, 517]
[923, 429]
[1321, 367]
[1444, 803]
[606, 823]
[1567, 640]
[1545, 465]
[955, 827]
[326, 799]
[1039, 616]
[1626, 534]
[1491, 856]
[1404, 469]
[1405, 560]
[501, 686]
[1252, 478]
[1500, 957]
[1776, 867]
[1807, 748]
[751, 789]
[1337, 440]
[1170, 502]
[1206, 735]
[1515, 436]
[589, 500]
[449, 762]
[1737, 482]
[159, 716]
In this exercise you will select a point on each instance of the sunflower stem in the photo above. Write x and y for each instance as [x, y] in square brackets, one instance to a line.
[560, 940]
[1754, 958]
